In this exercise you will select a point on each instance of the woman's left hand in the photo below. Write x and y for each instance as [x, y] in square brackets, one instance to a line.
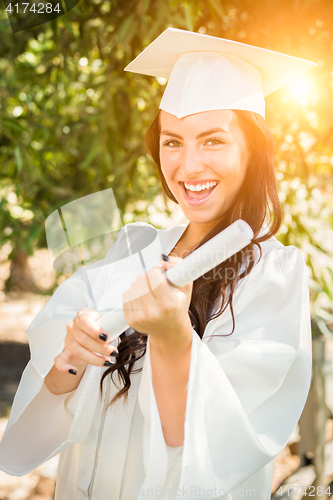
[155, 307]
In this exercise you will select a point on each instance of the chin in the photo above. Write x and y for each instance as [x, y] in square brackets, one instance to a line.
[199, 218]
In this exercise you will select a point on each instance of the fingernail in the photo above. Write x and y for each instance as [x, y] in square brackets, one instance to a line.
[114, 354]
[73, 372]
[107, 363]
[103, 337]
[165, 257]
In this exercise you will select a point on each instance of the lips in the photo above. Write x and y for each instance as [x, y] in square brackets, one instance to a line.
[197, 197]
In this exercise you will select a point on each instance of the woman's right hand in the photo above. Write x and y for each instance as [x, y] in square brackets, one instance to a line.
[84, 342]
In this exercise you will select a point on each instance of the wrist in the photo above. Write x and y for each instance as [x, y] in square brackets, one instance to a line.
[59, 382]
[175, 341]
[79, 364]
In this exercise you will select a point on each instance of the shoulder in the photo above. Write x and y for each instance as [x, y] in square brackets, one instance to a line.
[280, 270]
[278, 256]
[273, 250]
[274, 293]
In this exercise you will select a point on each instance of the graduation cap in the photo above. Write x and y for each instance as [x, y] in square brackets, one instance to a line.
[208, 73]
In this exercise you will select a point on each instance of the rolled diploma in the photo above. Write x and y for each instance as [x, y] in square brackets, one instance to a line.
[218, 249]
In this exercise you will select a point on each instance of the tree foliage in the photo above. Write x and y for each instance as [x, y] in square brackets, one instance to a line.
[72, 121]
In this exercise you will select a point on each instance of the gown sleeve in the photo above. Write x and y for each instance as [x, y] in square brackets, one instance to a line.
[246, 391]
[42, 424]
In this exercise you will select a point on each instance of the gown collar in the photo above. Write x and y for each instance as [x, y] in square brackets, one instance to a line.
[169, 237]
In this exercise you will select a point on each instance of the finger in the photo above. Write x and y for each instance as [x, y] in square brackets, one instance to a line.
[139, 301]
[88, 310]
[147, 279]
[156, 277]
[65, 363]
[76, 353]
[172, 260]
[145, 284]
[139, 287]
[92, 344]
[65, 366]
[133, 307]
[86, 320]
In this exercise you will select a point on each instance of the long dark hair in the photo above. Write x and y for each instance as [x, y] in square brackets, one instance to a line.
[256, 203]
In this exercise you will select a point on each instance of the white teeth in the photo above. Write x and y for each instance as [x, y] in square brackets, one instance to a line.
[199, 187]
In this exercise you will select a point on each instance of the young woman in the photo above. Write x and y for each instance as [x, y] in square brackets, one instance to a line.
[210, 379]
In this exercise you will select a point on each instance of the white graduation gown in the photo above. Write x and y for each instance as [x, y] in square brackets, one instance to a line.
[245, 393]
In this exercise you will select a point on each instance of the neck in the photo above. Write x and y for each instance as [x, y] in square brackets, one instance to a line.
[198, 231]
[194, 234]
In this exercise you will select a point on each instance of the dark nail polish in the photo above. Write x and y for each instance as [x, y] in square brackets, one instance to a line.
[73, 372]
[103, 337]
[107, 363]
[114, 354]
[165, 257]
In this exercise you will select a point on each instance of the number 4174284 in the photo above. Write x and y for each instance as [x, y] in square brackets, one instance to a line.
[49, 7]
[310, 491]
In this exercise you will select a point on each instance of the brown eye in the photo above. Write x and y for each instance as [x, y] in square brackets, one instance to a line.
[213, 142]
[173, 144]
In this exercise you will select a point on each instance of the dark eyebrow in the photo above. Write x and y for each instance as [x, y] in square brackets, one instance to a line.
[203, 134]
[171, 134]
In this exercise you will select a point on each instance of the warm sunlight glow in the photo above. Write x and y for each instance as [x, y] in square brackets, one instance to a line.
[301, 88]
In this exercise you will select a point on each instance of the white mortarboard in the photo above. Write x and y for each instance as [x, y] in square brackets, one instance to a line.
[208, 73]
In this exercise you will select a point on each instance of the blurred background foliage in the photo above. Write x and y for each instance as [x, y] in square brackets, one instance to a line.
[72, 121]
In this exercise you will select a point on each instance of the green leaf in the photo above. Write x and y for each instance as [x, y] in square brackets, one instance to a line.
[217, 6]
[127, 30]
[189, 17]
[94, 151]
[14, 124]
[18, 159]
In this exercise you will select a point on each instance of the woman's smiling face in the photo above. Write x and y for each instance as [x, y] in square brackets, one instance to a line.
[206, 149]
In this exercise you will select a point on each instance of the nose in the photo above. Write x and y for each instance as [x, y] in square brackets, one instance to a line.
[191, 162]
